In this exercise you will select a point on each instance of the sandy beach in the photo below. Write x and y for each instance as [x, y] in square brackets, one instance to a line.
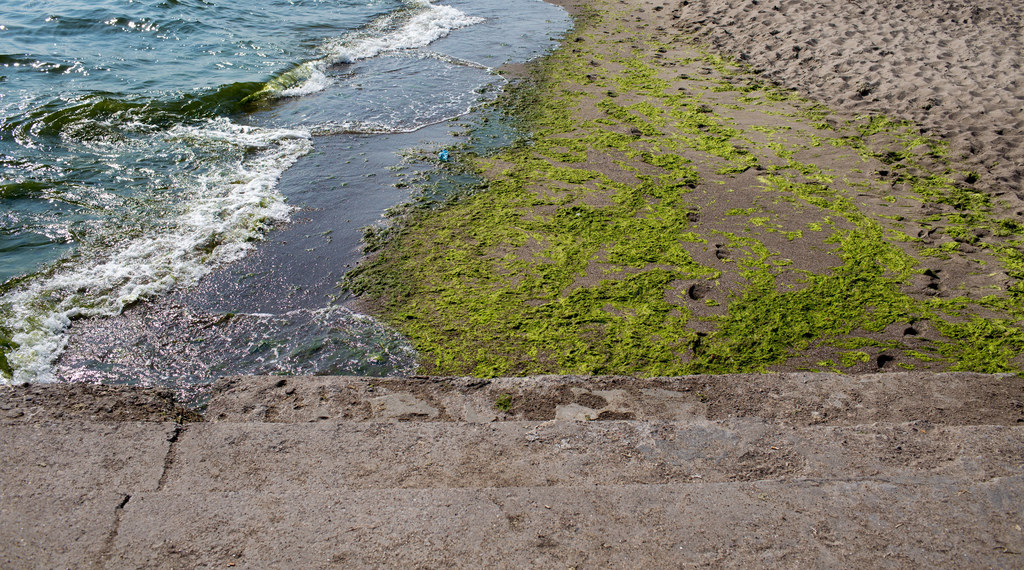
[842, 195]
[954, 68]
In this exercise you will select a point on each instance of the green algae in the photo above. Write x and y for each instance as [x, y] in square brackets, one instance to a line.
[6, 345]
[982, 345]
[530, 275]
[765, 326]
[851, 358]
[504, 402]
[498, 314]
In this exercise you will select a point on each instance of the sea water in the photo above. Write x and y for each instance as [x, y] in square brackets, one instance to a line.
[145, 146]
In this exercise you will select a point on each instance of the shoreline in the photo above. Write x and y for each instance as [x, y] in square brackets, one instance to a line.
[279, 305]
[864, 244]
[666, 191]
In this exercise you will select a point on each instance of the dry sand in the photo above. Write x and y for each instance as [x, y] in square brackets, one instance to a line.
[956, 68]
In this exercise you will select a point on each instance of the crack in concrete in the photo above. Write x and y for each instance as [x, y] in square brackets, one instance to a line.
[172, 451]
[108, 544]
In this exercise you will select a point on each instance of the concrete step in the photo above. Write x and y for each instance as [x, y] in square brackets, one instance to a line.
[509, 494]
[741, 524]
[955, 398]
[74, 458]
[815, 470]
[275, 457]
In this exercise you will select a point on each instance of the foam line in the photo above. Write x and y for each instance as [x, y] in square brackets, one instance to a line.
[421, 24]
[229, 209]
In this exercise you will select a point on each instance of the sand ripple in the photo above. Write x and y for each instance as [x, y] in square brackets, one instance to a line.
[953, 67]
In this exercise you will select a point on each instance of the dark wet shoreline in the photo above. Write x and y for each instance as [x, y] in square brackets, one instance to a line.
[287, 286]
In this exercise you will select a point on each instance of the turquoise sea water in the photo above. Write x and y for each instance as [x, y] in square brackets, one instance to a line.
[142, 144]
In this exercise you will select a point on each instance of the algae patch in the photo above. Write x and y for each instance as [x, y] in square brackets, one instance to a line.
[672, 213]
[6, 345]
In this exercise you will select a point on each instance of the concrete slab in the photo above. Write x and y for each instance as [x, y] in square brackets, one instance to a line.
[62, 485]
[348, 455]
[951, 398]
[79, 456]
[43, 530]
[285, 486]
[762, 524]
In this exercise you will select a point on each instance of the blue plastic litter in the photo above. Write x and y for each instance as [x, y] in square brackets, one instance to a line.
[443, 155]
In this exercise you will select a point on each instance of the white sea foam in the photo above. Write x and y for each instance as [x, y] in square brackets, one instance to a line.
[356, 128]
[422, 24]
[316, 82]
[427, 24]
[227, 210]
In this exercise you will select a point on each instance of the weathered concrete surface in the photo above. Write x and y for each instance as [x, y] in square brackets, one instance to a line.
[62, 484]
[951, 398]
[33, 403]
[808, 470]
[231, 457]
[803, 524]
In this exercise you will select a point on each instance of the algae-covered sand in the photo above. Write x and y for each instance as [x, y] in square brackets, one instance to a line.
[673, 212]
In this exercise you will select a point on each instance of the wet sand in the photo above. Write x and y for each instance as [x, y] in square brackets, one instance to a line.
[811, 232]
